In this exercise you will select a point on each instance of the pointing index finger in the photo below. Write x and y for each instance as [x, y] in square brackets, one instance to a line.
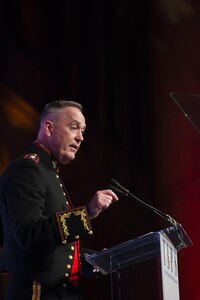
[112, 194]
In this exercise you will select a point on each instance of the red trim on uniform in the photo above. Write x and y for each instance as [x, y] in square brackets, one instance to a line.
[42, 146]
[75, 273]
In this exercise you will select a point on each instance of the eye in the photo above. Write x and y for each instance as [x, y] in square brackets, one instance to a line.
[73, 128]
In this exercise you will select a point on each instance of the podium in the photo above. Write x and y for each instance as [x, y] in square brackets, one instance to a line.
[158, 247]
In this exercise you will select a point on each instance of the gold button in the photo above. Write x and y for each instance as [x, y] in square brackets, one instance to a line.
[57, 175]
[64, 194]
[70, 257]
[90, 232]
[64, 242]
[61, 185]
[77, 237]
[72, 248]
[68, 266]
[67, 275]
[67, 202]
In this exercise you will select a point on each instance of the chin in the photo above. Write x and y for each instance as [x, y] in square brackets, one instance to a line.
[66, 160]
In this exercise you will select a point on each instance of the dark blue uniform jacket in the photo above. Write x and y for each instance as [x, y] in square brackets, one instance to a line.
[40, 227]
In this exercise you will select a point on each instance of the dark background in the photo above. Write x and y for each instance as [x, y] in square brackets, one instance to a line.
[120, 59]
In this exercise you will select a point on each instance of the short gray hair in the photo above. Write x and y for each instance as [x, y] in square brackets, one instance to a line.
[54, 106]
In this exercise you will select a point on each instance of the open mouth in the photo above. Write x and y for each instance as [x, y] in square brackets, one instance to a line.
[74, 147]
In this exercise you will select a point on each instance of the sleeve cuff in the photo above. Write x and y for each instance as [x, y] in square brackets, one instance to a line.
[73, 224]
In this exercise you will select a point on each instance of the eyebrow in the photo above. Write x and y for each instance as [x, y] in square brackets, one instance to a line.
[77, 122]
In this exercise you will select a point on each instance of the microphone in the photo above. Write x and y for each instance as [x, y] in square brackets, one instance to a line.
[119, 189]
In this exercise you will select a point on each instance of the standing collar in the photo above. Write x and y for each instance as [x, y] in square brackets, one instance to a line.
[45, 155]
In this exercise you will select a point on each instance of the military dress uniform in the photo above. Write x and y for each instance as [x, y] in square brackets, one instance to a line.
[42, 230]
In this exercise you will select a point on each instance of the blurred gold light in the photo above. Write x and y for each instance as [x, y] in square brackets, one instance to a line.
[16, 113]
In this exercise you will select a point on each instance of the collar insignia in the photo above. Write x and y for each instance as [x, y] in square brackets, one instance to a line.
[55, 164]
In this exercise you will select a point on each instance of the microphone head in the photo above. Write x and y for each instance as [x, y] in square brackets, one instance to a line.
[119, 188]
[114, 181]
[116, 190]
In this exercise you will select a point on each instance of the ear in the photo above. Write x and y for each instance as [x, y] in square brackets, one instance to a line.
[49, 128]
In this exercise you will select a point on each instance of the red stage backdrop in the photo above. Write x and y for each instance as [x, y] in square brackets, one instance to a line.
[175, 48]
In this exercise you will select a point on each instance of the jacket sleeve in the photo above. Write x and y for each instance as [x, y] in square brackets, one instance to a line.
[23, 194]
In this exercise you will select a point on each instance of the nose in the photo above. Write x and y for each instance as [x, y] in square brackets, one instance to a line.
[79, 136]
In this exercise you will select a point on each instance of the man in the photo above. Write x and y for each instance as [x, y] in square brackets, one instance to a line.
[42, 229]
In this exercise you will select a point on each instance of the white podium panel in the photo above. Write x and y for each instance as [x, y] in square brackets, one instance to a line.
[169, 269]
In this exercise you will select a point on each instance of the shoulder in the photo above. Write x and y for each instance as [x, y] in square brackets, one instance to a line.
[22, 171]
[27, 162]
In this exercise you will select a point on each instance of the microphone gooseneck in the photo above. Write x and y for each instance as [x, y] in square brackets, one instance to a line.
[119, 189]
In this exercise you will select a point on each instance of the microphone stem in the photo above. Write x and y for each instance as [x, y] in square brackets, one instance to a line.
[124, 192]
[166, 217]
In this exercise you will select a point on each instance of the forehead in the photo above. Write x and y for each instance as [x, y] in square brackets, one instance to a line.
[72, 114]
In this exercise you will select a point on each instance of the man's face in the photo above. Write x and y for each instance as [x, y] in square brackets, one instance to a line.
[67, 134]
